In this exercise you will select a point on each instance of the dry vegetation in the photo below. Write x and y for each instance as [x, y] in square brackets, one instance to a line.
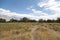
[29, 31]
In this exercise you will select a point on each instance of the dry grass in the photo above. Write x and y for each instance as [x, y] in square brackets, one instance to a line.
[23, 31]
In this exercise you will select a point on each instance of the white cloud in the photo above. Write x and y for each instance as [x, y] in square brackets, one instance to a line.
[7, 14]
[36, 14]
[41, 15]
[29, 8]
[51, 5]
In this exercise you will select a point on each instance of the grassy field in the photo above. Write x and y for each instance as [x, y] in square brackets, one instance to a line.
[29, 31]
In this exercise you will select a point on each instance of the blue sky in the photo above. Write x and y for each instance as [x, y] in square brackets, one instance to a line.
[17, 5]
[20, 6]
[34, 9]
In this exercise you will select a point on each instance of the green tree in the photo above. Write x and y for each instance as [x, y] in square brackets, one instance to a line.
[41, 20]
[32, 20]
[24, 19]
[49, 21]
[2, 20]
[13, 20]
[58, 20]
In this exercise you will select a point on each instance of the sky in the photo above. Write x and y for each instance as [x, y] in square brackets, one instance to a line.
[33, 9]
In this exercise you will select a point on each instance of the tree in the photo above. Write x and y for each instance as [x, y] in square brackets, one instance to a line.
[13, 20]
[58, 20]
[2, 20]
[49, 20]
[24, 19]
[32, 20]
[41, 20]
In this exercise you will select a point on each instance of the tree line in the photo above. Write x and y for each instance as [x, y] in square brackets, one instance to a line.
[25, 19]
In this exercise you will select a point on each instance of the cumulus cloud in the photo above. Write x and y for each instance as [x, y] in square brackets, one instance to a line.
[36, 14]
[7, 14]
[51, 5]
